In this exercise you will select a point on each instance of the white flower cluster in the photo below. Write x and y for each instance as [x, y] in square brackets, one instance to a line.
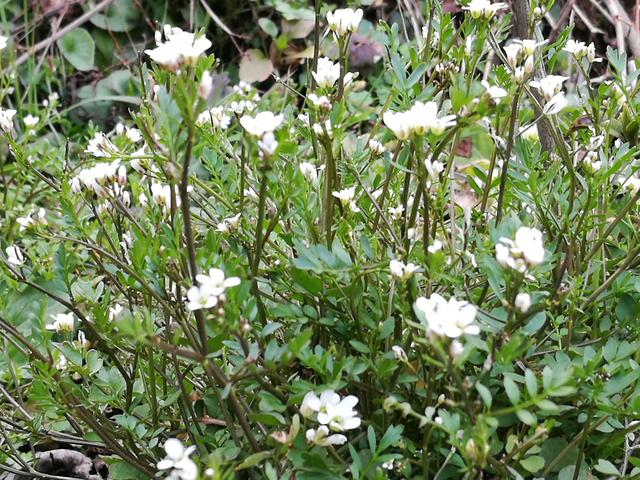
[334, 414]
[452, 318]
[402, 272]
[344, 20]
[215, 116]
[32, 219]
[347, 198]
[262, 127]
[6, 119]
[177, 460]
[550, 87]
[582, 50]
[100, 146]
[14, 255]
[63, 323]
[104, 179]
[328, 73]
[524, 251]
[179, 48]
[420, 119]
[211, 289]
[483, 9]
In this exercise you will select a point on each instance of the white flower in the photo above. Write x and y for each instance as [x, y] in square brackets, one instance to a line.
[206, 85]
[512, 52]
[399, 123]
[309, 171]
[63, 323]
[451, 318]
[346, 197]
[549, 85]
[216, 117]
[523, 302]
[30, 221]
[436, 246]
[456, 349]
[402, 272]
[399, 353]
[6, 119]
[62, 363]
[30, 121]
[591, 162]
[331, 410]
[228, 224]
[577, 49]
[526, 250]
[339, 414]
[115, 311]
[3, 42]
[82, 340]
[327, 73]
[434, 169]
[420, 119]
[216, 282]
[101, 146]
[262, 123]
[179, 48]
[496, 93]
[484, 8]
[178, 460]
[376, 147]
[530, 133]
[322, 438]
[323, 129]
[14, 255]
[268, 144]
[201, 297]
[321, 102]
[134, 135]
[529, 46]
[100, 179]
[344, 20]
[557, 103]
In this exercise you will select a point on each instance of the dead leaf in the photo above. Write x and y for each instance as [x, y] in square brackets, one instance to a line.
[297, 28]
[363, 51]
[254, 67]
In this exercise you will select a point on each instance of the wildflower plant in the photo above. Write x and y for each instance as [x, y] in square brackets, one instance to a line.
[428, 270]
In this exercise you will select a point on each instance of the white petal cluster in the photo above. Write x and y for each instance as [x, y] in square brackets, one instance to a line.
[262, 123]
[30, 121]
[483, 9]
[100, 146]
[452, 318]
[524, 251]
[321, 437]
[309, 171]
[14, 255]
[523, 302]
[329, 410]
[347, 198]
[215, 116]
[228, 224]
[178, 48]
[402, 272]
[582, 50]
[103, 179]
[420, 119]
[32, 219]
[63, 323]
[6, 119]
[178, 461]
[211, 289]
[3, 42]
[327, 73]
[344, 20]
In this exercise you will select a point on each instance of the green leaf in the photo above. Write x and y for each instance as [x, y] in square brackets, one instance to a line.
[371, 436]
[359, 346]
[78, 48]
[533, 463]
[512, 390]
[120, 16]
[253, 460]
[531, 383]
[268, 27]
[606, 467]
[269, 328]
[485, 394]
[527, 417]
